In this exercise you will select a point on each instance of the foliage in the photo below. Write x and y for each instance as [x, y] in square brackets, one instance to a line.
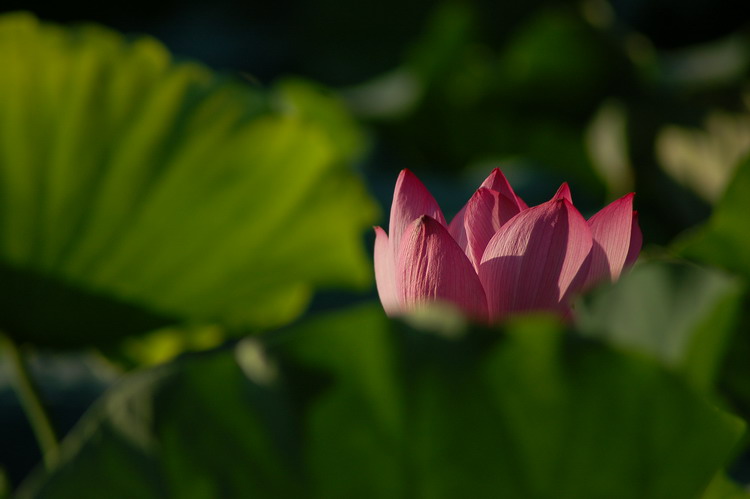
[679, 314]
[725, 241]
[138, 192]
[353, 405]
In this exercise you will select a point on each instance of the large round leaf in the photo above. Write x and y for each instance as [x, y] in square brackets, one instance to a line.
[136, 191]
[681, 314]
[353, 405]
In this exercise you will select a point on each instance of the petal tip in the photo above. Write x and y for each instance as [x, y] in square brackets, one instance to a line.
[405, 174]
[563, 192]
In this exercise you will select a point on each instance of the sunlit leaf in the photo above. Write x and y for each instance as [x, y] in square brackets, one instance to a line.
[352, 405]
[321, 107]
[704, 159]
[150, 185]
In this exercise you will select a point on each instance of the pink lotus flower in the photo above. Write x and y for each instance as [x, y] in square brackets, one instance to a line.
[498, 256]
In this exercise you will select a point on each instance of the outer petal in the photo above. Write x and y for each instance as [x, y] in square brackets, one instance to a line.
[497, 182]
[385, 273]
[536, 260]
[432, 268]
[636, 241]
[486, 212]
[411, 200]
[612, 230]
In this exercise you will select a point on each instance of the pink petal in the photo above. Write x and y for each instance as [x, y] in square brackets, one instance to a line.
[385, 273]
[457, 230]
[411, 200]
[563, 193]
[636, 241]
[432, 268]
[536, 260]
[486, 212]
[497, 182]
[611, 228]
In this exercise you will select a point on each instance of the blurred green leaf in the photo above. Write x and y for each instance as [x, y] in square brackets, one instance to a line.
[353, 405]
[680, 314]
[557, 61]
[320, 106]
[704, 159]
[443, 44]
[724, 240]
[131, 182]
[722, 487]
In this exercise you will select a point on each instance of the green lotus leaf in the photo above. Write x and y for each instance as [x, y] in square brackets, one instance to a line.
[137, 191]
[354, 405]
[680, 314]
[724, 240]
[722, 487]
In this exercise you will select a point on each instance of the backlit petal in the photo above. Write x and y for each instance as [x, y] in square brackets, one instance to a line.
[411, 200]
[536, 260]
[486, 212]
[611, 229]
[497, 182]
[432, 268]
[385, 273]
[563, 193]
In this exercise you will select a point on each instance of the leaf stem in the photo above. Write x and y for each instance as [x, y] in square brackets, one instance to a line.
[31, 401]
